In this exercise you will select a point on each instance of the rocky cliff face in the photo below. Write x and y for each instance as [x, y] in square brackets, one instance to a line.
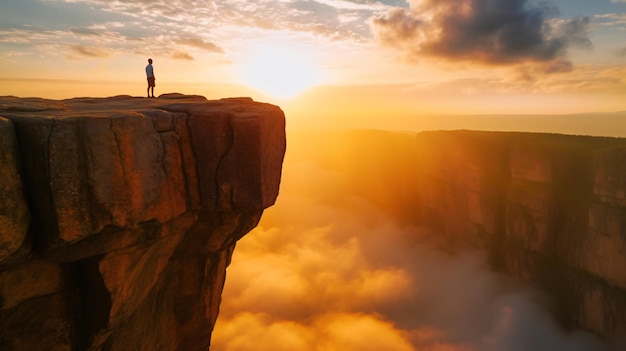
[550, 209]
[118, 216]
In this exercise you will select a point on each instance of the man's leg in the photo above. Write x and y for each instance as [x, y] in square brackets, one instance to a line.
[148, 90]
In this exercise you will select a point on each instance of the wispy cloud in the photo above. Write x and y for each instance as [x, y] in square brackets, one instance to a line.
[201, 44]
[182, 55]
[217, 17]
[84, 42]
[612, 20]
[93, 42]
[353, 5]
[106, 25]
[90, 51]
[490, 32]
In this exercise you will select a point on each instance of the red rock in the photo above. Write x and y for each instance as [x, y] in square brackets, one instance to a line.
[14, 214]
[136, 206]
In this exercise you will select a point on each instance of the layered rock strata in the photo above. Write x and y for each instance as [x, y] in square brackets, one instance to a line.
[118, 216]
[550, 209]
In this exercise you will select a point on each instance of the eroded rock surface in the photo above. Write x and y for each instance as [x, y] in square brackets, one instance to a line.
[118, 216]
[549, 208]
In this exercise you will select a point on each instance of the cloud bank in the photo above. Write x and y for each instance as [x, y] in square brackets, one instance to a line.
[332, 268]
[501, 32]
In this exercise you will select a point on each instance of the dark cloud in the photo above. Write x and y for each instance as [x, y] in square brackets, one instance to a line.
[482, 31]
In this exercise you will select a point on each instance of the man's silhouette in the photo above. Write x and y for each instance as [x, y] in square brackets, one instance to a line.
[150, 75]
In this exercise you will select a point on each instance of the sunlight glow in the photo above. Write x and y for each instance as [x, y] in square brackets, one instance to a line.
[280, 72]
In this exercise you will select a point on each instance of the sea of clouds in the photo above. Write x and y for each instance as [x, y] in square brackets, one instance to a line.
[330, 269]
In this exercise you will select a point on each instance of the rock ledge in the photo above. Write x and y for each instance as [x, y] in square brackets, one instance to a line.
[118, 216]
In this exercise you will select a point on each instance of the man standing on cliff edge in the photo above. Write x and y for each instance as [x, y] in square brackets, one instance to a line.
[150, 75]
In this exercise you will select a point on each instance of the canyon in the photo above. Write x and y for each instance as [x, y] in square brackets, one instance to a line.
[119, 216]
[549, 209]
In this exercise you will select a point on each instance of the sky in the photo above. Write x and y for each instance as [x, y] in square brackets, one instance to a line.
[334, 58]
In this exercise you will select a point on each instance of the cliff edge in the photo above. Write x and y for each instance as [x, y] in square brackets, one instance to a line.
[118, 216]
[548, 208]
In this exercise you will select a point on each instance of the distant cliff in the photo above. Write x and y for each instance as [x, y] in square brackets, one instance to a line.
[548, 208]
[118, 216]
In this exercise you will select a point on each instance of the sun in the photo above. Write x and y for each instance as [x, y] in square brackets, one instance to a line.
[279, 72]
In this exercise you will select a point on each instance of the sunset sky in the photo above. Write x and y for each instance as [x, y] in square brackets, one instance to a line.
[354, 58]
[330, 267]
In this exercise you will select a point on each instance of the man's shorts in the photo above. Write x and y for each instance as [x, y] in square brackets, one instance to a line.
[151, 82]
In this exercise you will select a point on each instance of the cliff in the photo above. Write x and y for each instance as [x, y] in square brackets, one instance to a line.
[118, 216]
[550, 209]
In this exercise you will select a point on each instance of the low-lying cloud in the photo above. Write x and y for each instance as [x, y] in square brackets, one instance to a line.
[502, 32]
[329, 268]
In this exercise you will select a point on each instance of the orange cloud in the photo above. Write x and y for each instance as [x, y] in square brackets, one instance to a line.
[200, 44]
[330, 332]
[89, 51]
[182, 55]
